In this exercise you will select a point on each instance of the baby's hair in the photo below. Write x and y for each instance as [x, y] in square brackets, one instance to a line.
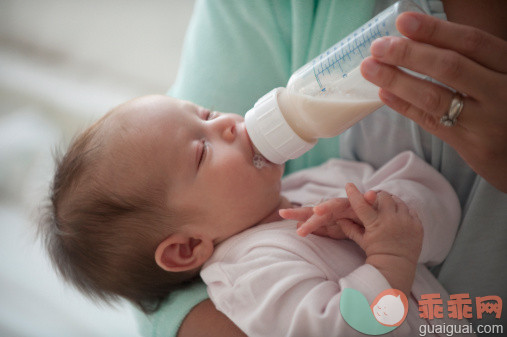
[102, 239]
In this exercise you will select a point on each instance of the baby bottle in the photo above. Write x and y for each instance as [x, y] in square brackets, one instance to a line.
[324, 97]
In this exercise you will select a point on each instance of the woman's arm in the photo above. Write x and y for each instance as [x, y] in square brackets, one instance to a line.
[205, 320]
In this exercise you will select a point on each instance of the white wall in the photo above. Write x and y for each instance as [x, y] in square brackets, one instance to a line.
[63, 63]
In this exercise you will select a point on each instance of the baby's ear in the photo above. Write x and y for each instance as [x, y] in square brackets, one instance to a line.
[180, 252]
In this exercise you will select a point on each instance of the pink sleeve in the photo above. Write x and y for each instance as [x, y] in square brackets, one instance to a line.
[428, 193]
[274, 292]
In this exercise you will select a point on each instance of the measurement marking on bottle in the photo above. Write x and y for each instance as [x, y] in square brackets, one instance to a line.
[334, 62]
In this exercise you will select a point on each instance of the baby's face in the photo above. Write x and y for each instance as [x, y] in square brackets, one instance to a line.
[206, 160]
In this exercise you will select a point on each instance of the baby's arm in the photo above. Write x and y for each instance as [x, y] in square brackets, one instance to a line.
[382, 225]
[420, 186]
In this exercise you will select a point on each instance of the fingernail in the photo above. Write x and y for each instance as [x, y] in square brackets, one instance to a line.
[301, 232]
[379, 47]
[370, 67]
[409, 23]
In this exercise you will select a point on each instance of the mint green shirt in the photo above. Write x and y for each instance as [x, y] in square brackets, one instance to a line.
[237, 50]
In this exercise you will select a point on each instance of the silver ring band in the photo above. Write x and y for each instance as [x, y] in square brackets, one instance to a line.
[451, 117]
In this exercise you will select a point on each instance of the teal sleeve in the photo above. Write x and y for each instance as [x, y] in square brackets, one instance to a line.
[167, 320]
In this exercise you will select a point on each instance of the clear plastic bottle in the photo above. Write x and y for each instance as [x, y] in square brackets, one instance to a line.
[324, 97]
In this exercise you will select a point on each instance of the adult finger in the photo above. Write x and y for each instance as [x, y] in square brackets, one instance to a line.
[430, 121]
[446, 66]
[364, 211]
[478, 45]
[431, 98]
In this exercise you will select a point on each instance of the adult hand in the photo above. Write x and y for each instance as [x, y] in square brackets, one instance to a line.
[466, 59]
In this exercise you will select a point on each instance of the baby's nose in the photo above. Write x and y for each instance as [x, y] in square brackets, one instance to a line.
[226, 125]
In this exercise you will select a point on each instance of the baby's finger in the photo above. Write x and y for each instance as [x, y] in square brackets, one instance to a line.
[386, 202]
[414, 214]
[371, 197]
[335, 206]
[401, 207]
[353, 231]
[313, 223]
[333, 231]
[364, 211]
[299, 214]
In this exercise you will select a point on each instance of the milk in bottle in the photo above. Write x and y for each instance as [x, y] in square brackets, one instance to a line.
[324, 97]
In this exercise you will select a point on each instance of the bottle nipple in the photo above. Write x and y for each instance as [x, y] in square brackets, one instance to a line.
[259, 161]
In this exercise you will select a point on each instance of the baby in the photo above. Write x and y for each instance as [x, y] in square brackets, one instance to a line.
[145, 196]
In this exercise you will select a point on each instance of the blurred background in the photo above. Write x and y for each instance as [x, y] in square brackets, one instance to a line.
[63, 63]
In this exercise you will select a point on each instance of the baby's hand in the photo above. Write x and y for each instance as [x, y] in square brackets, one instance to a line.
[390, 235]
[323, 219]
[387, 226]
